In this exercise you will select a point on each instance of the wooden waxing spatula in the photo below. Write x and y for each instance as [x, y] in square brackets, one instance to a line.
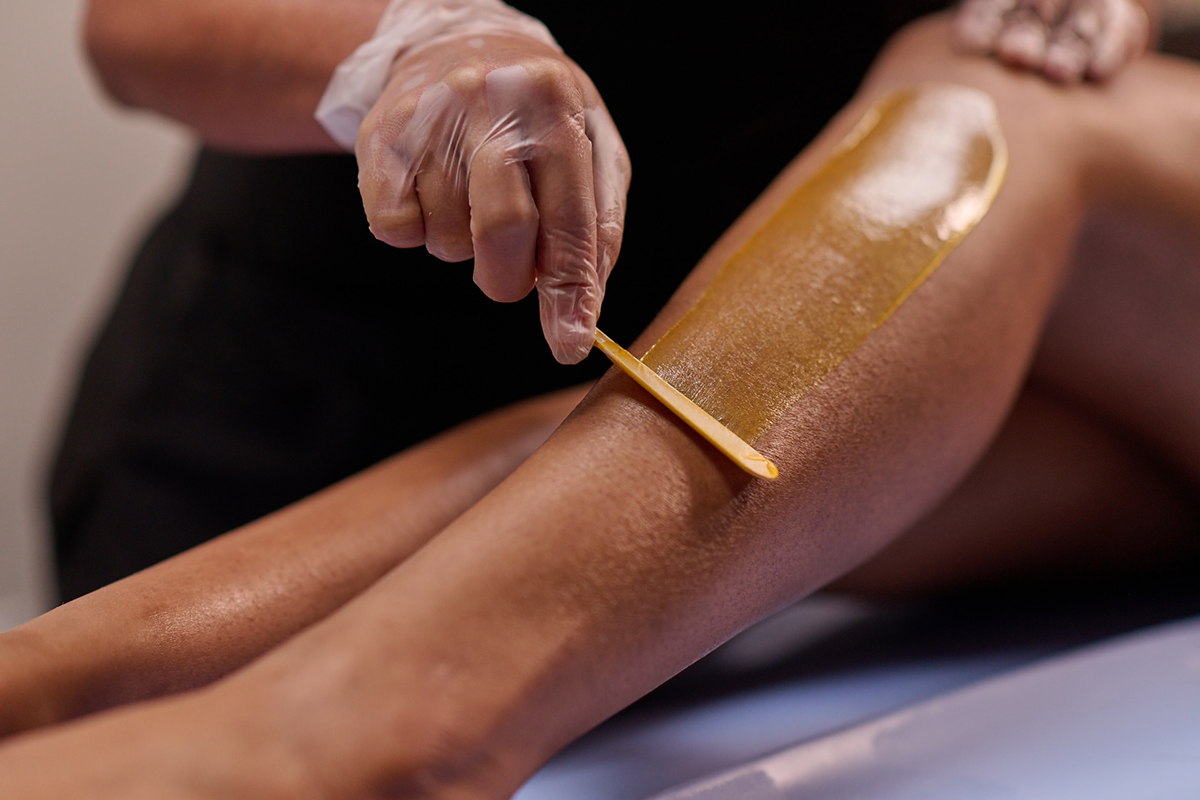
[700, 420]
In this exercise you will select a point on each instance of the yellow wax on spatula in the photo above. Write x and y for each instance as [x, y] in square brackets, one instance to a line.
[700, 420]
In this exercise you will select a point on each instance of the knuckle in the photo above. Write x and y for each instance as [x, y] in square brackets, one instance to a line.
[503, 226]
[501, 284]
[397, 227]
[451, 247]
[556, 82]
[503, 219]
[369, 138]
[384, 126]
[467, 77]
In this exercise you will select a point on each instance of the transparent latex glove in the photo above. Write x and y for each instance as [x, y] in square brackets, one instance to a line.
[479, 138]
[1066, 40]
[499, 147]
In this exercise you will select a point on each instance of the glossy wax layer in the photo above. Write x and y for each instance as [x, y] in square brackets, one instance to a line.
[841, 254]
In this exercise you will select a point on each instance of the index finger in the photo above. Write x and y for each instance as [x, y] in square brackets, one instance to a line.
[568, 282]
[550, 102]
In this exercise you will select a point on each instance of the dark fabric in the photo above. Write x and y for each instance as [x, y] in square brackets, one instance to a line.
[265, 345]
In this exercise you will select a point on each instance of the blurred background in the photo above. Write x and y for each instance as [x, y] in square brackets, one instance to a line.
[80, 181]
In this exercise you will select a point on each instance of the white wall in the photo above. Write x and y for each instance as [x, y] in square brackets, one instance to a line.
[78, 181]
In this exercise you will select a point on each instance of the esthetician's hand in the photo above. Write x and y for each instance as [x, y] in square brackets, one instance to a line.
[1065, 40]
[499, 147]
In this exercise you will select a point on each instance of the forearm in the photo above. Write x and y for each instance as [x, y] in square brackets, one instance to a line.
[245, 75]
[206, 612]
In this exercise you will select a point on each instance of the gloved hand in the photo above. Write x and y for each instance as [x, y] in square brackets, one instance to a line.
[487, 141]
[1066, 40]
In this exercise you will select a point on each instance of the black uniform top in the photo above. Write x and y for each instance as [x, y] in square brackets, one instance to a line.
[265, 345]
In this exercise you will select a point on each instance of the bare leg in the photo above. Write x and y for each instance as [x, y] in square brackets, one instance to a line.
[1124, 341]
[1096, 469]
[625, 547]
[204, 613]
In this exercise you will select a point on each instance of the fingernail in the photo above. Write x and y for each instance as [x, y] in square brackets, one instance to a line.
[568, 320]
[574, 338]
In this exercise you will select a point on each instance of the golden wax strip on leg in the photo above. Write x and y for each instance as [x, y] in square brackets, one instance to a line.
[700, 420]
[841, 254]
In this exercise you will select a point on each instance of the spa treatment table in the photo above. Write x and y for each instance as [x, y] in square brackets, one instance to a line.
[1035, 696]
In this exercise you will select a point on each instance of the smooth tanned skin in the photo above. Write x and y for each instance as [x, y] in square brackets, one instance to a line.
[843, 252]
[206, 612]
[625, 547]
[1097, 467]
